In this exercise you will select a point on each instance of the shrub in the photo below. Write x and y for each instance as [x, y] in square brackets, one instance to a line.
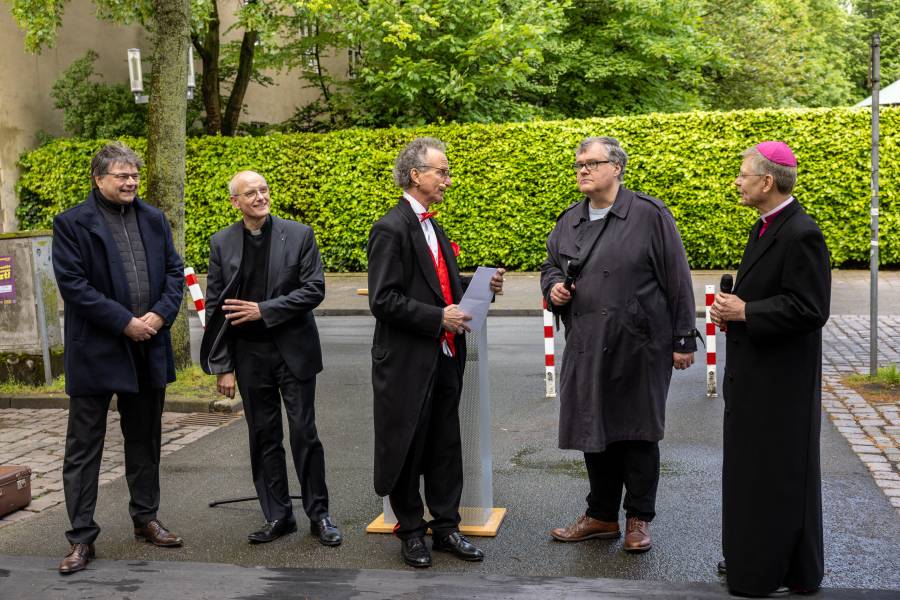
[511, 180]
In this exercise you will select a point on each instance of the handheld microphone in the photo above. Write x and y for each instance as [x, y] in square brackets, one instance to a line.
[726, 284]
[572, 271]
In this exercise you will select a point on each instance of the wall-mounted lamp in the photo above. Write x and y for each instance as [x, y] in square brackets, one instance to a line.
[137, 77]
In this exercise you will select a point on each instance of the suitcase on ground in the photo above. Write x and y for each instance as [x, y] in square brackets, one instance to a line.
[15, 488]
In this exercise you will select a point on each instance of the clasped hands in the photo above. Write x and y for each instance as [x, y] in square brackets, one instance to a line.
[141, 329]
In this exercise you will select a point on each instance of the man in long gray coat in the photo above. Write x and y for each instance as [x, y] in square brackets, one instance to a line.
[617, 274]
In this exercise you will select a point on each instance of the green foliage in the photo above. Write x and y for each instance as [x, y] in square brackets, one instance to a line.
[511, 180]
[93, 109]
[888, 377]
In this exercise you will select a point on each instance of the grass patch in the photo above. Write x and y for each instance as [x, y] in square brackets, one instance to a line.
[14, 387]
[884, 387]
[190, 381]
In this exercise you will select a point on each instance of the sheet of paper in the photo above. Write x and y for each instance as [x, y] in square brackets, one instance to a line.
[477, 299]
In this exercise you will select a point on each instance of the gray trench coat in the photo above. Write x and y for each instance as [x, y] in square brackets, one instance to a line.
[633, 306]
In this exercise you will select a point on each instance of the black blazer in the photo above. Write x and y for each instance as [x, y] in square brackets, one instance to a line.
[295, 286]
[99, 358]
[406, 301]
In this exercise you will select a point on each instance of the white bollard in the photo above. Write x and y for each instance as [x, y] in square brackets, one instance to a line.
[549, 353]
[196, 294]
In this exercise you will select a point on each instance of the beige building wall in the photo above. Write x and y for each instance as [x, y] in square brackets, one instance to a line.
[26, 80]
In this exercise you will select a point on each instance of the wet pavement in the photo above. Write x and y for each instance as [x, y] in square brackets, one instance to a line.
[541, 487]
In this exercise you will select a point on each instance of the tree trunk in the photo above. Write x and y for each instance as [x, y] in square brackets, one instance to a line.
[208, 49]
[241, 81]
[166, 135]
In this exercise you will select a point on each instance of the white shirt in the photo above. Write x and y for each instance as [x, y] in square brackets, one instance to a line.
[427, 227]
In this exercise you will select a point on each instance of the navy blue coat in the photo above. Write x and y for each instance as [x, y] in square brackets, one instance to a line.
[99, 357]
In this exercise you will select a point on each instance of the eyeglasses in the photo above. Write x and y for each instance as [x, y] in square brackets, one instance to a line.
[252, 194]
[742, 176]
[444, 173]
[591, 165]
[124, 177]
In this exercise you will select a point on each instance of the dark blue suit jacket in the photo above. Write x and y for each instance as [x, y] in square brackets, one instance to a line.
[99, 357]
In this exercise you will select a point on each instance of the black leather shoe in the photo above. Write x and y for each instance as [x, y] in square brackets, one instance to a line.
[273, 530]
[720, 567]
[327, 531]
[415, 553]
[457, 544]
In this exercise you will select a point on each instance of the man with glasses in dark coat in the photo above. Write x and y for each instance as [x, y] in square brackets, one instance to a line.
[418, 357]
[617, 274]
[771, 477]
[121, 281]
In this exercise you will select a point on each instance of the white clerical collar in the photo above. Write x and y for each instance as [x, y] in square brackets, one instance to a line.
[416, 205]
[777, 208]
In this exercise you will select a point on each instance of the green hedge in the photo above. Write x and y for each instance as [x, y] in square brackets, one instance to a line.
[511, 180]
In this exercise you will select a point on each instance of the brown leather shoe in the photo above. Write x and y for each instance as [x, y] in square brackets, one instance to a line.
[155, 533]
[585, 528]
[77, 558]
[637, 535]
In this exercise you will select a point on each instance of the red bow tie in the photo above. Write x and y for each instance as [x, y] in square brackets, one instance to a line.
[426, 215]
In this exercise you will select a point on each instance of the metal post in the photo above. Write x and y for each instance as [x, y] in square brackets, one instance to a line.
[873, 268]
[41, 313]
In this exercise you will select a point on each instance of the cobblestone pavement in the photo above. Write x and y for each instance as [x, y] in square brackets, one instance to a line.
[873, 429]
[37, 438]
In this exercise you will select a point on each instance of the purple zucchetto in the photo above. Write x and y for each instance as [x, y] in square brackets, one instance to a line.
[778, 152]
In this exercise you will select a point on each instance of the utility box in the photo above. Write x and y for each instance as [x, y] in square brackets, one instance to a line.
[31, 343]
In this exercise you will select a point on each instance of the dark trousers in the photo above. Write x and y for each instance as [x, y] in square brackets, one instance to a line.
[436, 454]
[264, 381]
[140, 416]
[632, 463]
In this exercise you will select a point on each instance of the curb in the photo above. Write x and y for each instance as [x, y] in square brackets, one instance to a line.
[173, 404]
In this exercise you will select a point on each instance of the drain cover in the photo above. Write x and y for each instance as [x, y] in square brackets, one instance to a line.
[208, 419]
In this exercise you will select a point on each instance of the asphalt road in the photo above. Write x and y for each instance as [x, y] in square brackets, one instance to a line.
[541, 487]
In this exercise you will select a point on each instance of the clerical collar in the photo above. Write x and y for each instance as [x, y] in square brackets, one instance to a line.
[777, 209]
[266, 226]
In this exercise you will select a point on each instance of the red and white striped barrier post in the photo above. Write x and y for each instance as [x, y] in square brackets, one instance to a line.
[196, 294]
[549, 353]
[710, 345]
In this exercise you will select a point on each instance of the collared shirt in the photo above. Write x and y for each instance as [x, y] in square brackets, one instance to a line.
[776, 210]
[770, 216]
[427, 227]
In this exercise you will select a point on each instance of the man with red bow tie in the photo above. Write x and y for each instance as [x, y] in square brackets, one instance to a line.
[418, 357]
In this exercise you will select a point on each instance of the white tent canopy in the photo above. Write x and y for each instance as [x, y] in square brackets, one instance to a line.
[888, 95]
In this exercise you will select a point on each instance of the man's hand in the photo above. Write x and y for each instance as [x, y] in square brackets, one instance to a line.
[727, 307]
[682, 360]
[225, 384]
[138, 330]
[559, 295]
[241, 311]
[153, 320]
[454, 319]
[497, 282]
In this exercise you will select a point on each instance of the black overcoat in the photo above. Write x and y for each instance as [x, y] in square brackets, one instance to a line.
[295, 285]
[99, 358]
[633, 306]
[406, 301]
[771, 479]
